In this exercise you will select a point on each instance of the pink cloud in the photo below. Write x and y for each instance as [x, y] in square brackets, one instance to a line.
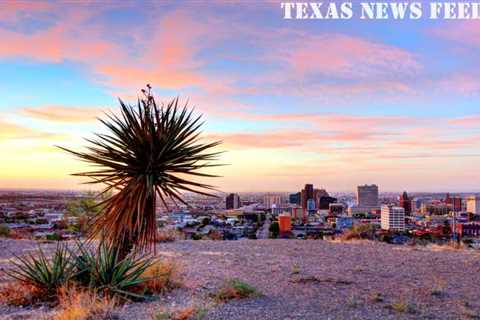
[463, 32]
[346, 56]
[469, 121]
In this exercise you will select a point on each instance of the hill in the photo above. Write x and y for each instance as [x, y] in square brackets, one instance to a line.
[311, 280]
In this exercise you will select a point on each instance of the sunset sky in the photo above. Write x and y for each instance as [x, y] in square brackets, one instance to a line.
[334, 103]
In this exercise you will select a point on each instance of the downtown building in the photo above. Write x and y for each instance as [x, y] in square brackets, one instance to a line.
[473, 204]
[272, 201]
[392, 218]
[367, 199]
[315, 199]
[232, 201]
[406, 203]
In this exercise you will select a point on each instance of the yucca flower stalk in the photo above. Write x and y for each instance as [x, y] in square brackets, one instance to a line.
[150, 151]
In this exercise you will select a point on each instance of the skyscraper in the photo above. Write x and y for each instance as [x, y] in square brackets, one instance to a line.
[270, 200]
[406, 203]
[295, 198]
[473, 204]
[455, 203]
[232, 201]
[307, 194]
[367, 196]
[392, 218]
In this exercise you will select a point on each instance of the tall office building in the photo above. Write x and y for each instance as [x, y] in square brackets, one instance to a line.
[270, 200]
[367, 196]
[406, 203]
[473, 204]
[318, 195]
[307, 194]
[455, 203]
[392, 218]
[295, 198]
[232, 201]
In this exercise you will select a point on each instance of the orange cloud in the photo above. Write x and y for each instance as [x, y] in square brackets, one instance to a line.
[63, 114]
[469, 121]
[9, 131]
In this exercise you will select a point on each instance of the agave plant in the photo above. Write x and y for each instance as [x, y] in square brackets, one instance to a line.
[45, 274]
[104, 270]
[150, 152]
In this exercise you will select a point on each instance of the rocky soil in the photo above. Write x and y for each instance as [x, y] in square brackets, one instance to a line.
[311, 279]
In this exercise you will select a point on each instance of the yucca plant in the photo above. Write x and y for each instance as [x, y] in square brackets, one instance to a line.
[105, 271]
[45, 274]
[149, 152]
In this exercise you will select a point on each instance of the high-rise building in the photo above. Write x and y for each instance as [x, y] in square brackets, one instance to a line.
[318, 194]
[295, 198]
[473, 204]
[232, 201]
[367, 196]
[406, 203]
[455, 203]
[270, 200]
[307, 194]
[392, 218]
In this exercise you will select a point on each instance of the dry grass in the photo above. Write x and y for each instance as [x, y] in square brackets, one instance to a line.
[18, 294]
[76, 304]
[358, 232]
[403, 306]
[377, 297]
[235, 289]
[438, 288]
[164, 276]
[467, 311]
[166, 235]
[187, 313]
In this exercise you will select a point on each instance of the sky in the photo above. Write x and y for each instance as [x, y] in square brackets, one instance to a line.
[336, 103]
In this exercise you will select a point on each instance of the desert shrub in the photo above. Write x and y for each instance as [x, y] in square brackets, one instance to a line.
[197, 236]
[4, 230]
[18, 294]
[162, 275]
[166, 235]
[54, 237]
[105, 271]
[187, 313]
[78, 304]
[360, 231]
[215, 235]
[235, 289]
[44, 274]
[403, 306]
[438, 288]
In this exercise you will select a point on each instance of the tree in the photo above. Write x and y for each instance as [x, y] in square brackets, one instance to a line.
[150, 151]
[274, 229]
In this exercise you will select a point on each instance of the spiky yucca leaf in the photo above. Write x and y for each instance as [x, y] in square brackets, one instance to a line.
[45, 274]
[150, 151]
[104, 270]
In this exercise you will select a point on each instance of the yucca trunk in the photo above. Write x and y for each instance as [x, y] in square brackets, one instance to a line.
[150, 151]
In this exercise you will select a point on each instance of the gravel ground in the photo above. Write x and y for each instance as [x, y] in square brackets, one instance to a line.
[302, 279]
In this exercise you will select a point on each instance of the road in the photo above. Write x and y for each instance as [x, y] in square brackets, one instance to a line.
[263, 232]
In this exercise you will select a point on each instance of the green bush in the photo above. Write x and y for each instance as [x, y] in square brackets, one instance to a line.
[4, 230]
[54, 237]
[46, 275]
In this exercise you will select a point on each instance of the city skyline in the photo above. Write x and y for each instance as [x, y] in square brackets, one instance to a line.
[333, 103]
